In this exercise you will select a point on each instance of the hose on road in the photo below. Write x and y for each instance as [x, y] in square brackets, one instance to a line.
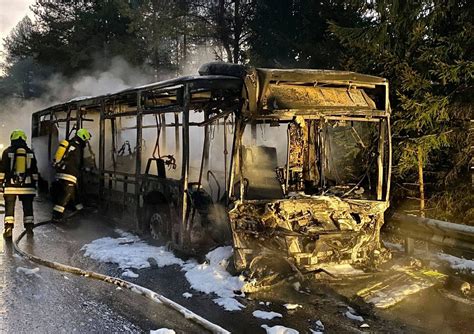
[140, 290]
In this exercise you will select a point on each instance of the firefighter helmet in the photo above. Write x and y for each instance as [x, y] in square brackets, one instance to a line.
[17, 134]
[83, 134]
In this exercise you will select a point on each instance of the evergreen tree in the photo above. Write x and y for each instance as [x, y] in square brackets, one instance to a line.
[425, 50]
[294, 33]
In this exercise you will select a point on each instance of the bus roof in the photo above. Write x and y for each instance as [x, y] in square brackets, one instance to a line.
[216, 78]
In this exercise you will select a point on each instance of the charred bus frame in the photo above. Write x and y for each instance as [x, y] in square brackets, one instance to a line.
[294, 223]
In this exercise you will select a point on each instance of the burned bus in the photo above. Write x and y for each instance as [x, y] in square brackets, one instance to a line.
[288, 165]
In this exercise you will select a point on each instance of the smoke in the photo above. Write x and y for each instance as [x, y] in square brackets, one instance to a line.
[110, 77]
[115, 76]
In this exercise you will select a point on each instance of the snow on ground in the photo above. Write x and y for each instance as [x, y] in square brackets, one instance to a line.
[129, 273]
[319, 328]
[454, 262]
[163, 331]
[351, 314]
[292, 306]
[457, 263]
[279, 330]
[212, 277]
[27, 271]
[187, 295]
[266, 315]
[129, 252]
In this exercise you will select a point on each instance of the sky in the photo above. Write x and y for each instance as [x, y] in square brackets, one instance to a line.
[11, 12]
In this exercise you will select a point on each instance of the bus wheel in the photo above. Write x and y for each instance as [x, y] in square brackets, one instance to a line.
[159, 221]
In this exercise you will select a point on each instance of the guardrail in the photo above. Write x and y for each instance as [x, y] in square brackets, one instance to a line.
[437, 232]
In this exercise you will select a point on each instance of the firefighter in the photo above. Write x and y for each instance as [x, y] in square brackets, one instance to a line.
[67, 163]
[18, 177]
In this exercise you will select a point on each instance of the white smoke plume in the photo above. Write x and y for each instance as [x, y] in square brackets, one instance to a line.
[118, 75]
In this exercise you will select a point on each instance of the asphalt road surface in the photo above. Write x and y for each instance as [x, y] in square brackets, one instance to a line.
[47, 301]
[36, 299]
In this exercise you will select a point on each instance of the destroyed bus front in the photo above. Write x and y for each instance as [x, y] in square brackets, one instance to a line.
[311, 170]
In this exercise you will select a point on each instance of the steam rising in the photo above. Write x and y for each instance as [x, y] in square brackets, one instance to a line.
[118, 75]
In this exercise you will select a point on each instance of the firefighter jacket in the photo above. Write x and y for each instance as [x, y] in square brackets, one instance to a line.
[69, 167]
[18, 169]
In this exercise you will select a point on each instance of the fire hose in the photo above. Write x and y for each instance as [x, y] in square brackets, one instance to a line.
[140, 290]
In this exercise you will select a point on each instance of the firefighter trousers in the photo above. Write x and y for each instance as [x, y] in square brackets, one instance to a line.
[66, 192]
[27, 203]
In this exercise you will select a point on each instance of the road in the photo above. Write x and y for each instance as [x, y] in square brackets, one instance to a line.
[48, 301]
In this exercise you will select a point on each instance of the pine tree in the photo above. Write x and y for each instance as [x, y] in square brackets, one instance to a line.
[425, 50]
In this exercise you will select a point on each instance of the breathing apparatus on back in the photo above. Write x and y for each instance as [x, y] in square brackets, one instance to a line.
[60, 152]
[20, 161]
[64, 146]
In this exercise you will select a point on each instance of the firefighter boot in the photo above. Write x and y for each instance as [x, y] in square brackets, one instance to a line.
[57, 218]
[29, 224]
[29, 228]
[7, 231]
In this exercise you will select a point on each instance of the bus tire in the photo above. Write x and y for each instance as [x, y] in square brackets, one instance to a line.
[159, 221]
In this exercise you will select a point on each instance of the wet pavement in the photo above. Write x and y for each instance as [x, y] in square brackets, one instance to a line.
[50, 301]
[44, 300]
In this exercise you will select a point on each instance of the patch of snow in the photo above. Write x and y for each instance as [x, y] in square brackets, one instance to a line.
[27, 271]
[212, 277]
[187, 295]
[351, 314]
[266, 315]
[457, 263]
[292, 306]
[319, 328]
[229, 304]
[163, 331]
[279, 330]
[128, 251]
[129, 273]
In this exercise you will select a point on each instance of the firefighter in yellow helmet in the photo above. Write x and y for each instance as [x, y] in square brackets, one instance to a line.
[67, 162]
[18, 177]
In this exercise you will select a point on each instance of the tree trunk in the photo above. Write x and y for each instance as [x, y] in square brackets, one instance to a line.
[421, 182]
[237, 31]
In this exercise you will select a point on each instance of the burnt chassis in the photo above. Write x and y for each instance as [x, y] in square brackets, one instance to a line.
[309, 233]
